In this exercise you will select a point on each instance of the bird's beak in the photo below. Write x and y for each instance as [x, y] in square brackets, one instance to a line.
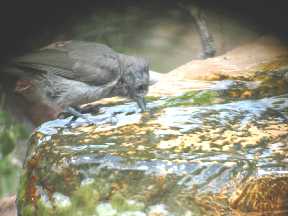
[141, 103]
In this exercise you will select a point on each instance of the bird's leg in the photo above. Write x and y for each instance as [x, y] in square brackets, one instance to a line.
[141, 103]
[75, 113]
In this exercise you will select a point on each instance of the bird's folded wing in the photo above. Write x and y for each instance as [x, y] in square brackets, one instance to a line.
[90, 63]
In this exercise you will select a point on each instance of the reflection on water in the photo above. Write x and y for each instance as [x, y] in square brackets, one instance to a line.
[199, 153]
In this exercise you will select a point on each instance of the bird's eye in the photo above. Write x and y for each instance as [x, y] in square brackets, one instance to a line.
[141, 88]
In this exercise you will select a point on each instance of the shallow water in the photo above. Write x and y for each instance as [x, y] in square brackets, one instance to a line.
[191, 154]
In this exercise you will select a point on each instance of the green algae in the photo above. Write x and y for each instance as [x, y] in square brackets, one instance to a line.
[122, 204]
[84, 199]
[193, 98]
[82, 202]
[151, 98]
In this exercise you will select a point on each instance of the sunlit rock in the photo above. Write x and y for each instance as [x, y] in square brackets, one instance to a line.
[264, 54]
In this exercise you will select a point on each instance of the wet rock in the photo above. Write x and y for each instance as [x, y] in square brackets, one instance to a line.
[266, 194]
[203, 152]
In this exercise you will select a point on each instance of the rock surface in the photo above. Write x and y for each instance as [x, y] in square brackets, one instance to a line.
[205, 152]
[240, 63]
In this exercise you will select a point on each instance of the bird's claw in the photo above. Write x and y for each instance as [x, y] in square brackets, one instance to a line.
[70, 111]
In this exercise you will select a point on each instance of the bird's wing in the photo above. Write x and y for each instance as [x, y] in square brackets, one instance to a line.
[82, 61]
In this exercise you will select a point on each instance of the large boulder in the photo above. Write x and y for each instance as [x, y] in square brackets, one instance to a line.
[219, 149]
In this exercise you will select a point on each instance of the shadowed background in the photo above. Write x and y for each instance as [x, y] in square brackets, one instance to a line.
[157, 30]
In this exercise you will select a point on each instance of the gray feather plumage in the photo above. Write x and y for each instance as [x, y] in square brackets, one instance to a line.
[80, 61]
[73, 73]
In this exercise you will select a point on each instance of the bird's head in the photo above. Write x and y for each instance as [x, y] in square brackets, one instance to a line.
[136, 79]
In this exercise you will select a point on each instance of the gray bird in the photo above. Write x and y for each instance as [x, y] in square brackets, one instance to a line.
[68, 74]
